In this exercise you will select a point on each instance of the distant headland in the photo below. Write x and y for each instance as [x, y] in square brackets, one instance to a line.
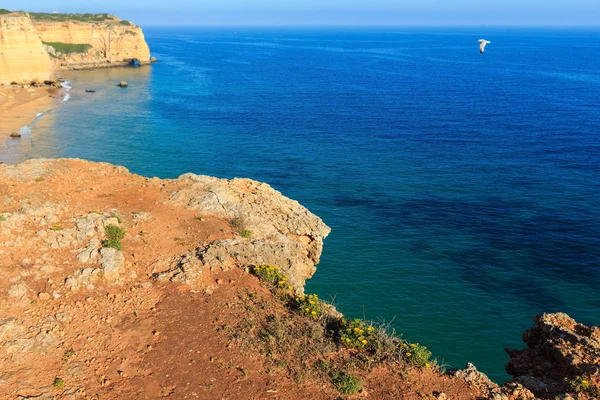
[33, 46]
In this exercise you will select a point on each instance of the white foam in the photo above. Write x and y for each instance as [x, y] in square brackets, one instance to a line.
[39, 114]
[67, 87]
[26, 130]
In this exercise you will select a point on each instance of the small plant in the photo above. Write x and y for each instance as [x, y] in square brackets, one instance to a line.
[310, 305]
[582, 384]
[358, 334]
[125, 23]
[57, 227]
[346, 383]
[417, 355]
[114, 235]
[198, 218]
[58, 383]
[246, 234]
[68, 353]
[2, 217]
[272, 275]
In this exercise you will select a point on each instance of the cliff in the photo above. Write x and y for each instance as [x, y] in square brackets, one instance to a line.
[117, 286]
[102, 43]
[33, 46]
[22, 55]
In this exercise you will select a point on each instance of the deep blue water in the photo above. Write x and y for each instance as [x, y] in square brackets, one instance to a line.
[463, 190]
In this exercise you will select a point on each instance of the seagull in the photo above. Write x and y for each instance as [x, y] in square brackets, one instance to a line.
[482, 43]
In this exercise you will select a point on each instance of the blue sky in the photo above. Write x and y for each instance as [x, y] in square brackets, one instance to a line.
[332, 12]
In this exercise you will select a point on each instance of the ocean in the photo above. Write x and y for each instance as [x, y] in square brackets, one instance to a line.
[463, 190]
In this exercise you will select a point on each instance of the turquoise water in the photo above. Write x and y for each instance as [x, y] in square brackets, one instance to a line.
[463, 190]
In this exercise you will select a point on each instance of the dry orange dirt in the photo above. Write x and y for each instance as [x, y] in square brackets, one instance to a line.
[73, 329]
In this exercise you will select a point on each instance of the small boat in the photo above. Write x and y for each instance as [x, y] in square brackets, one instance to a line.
[90, 91]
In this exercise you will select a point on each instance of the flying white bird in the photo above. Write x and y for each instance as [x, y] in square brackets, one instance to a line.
[482, 43]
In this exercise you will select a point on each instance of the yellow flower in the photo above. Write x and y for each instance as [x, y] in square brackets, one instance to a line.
[585, 381]
[370, 329]
[356, 329]
[312, 302]
[313, 312]
[364, 342]
[408, 354]
[289, 287]
[413, 345]
[427, 365]
[307, 309]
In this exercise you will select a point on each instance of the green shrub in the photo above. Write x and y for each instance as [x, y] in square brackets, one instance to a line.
[346, 383]
[417, 355]
[272, 275]
[582, 384]
[114, 235]
[71, 17]
[358, 334]
[246, 234]
[58, 383]
[4, 11]
[2, 217]
[310, 305]
[124, 22]
[69, 48]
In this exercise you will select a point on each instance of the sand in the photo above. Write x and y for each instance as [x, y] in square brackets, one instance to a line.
[19, 106]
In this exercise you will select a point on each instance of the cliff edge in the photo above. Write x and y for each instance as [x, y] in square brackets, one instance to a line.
[117, 286]
[22, 55]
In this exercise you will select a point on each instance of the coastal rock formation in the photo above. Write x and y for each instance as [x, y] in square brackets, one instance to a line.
[33, 46]
[562, 356]
[22, 55]
[111, 42]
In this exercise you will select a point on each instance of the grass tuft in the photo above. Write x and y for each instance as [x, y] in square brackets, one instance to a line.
[114, 235]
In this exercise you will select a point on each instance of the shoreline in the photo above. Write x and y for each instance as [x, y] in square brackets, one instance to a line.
[20, 106]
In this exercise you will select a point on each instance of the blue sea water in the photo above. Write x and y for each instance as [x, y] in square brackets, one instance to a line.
[463, 190]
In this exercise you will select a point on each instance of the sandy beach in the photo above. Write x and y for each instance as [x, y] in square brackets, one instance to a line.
[19, 106]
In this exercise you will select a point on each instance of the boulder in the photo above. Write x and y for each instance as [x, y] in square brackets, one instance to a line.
[15, 135]
[560, 351]
[123, 84]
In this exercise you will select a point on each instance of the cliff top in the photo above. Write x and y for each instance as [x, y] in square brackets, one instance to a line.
[60, 17]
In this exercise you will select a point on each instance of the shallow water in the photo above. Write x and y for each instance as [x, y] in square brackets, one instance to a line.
[463, 190]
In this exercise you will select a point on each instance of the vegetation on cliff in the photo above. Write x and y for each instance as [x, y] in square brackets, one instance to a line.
[4, 11]
[71, 17]
[69, 48]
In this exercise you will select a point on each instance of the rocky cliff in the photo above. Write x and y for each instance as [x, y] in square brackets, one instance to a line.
[22, 55]
[33, 46]
[105, 43]
[117, 286]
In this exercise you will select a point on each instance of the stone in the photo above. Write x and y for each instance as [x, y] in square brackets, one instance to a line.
[113, 263]
[558, 349]
[123, 84]
[90, 253]
[15, 135]
[17, 290]
[43, 296]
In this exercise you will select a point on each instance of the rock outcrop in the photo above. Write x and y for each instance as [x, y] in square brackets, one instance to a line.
[23, 58]
[33, 47]
[562, 356]
[113, 42]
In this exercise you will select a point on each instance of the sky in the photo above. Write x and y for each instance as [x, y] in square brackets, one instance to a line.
[332, 12]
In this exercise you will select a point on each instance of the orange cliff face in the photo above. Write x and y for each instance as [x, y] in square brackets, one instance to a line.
[32, 48]
[22, 55]
[112, 42]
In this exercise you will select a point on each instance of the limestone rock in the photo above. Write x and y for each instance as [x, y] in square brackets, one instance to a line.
[557, 348]
[113, 264]
[284, 233]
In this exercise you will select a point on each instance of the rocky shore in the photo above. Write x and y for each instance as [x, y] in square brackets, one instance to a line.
[116, 286]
